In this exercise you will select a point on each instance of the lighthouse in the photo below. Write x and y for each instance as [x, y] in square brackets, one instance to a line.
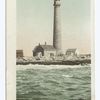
[57, 26]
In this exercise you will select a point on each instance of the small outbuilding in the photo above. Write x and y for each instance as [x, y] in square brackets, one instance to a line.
[85, 56]
[72, 52]
[19, 53]
[44, 50]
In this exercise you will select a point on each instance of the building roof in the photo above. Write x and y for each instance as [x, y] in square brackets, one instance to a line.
[19, 50]
[85, 54]
[45, 47]
[71, 50]
[48, 47]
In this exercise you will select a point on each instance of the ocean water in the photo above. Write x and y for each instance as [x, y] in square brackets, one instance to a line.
[53, 82]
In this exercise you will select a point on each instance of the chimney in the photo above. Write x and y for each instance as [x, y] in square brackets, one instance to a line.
[45, 43]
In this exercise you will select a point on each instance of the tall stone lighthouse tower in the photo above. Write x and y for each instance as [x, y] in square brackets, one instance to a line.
[57, 26]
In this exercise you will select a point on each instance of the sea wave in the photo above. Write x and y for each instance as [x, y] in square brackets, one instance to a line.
[53, 82]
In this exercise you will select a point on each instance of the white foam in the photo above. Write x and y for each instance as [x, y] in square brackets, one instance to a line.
[67, 76]
[48, 67]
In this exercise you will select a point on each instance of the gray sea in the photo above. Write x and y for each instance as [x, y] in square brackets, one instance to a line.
[53, 82]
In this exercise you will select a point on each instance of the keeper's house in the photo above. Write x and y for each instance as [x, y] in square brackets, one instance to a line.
[44, 50]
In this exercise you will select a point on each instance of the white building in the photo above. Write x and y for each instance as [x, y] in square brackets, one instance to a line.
[72, 52]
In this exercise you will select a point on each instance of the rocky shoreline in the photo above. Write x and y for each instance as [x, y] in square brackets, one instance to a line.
[68, 62]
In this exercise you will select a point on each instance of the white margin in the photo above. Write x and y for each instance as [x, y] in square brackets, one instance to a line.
[97, 49]
[2, 49]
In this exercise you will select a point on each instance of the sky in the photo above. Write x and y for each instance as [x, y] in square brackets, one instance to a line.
[35, 24]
